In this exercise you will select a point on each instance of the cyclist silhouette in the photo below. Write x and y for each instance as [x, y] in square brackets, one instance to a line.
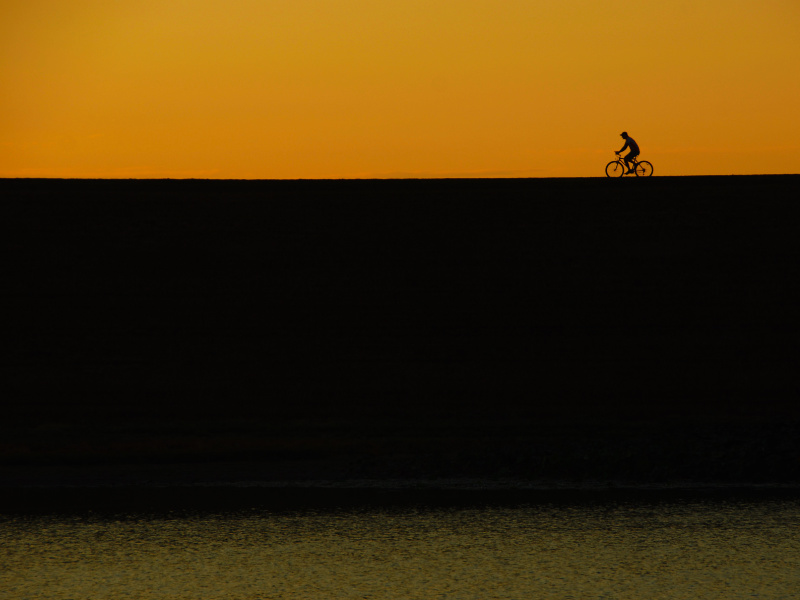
[629, 143]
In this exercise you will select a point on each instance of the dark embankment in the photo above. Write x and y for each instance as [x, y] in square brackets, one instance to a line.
[639, 330]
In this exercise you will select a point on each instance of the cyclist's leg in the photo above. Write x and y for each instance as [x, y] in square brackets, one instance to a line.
[627, 159]
[631, 158]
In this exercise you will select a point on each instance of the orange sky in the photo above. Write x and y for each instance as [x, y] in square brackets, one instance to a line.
[396, 88]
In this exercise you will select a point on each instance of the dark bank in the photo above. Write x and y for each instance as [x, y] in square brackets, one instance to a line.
[538, 330]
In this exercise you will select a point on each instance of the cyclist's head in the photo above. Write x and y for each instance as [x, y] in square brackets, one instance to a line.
[624, 134]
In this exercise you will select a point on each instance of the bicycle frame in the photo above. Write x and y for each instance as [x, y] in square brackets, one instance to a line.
[621, 160]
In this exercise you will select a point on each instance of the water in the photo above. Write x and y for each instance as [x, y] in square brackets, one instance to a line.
[609, 550]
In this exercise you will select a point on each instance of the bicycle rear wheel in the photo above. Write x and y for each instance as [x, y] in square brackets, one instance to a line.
[644, 169]
[615, 169]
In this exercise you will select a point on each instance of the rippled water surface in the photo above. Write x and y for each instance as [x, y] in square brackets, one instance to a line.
[641, 551]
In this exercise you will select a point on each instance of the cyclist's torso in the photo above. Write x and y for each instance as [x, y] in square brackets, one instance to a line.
[631, 143]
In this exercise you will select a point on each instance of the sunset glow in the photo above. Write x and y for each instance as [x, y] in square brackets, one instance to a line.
[396, 88]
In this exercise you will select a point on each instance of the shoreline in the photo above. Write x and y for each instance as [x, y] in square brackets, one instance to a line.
[434, 485]
[175, 500]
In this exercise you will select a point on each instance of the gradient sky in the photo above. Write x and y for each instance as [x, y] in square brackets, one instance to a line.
[396, 88]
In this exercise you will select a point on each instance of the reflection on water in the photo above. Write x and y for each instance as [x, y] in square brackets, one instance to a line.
[613, 551]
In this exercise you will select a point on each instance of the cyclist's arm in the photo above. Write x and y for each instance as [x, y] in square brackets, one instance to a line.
[623, 148]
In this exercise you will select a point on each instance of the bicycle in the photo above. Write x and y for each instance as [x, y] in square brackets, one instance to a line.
[617, 168]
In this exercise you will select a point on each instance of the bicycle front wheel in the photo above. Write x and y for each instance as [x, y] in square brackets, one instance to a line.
[644, 169]
[615, 169]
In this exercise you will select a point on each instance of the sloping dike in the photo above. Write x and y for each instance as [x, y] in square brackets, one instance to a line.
[540, 330]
